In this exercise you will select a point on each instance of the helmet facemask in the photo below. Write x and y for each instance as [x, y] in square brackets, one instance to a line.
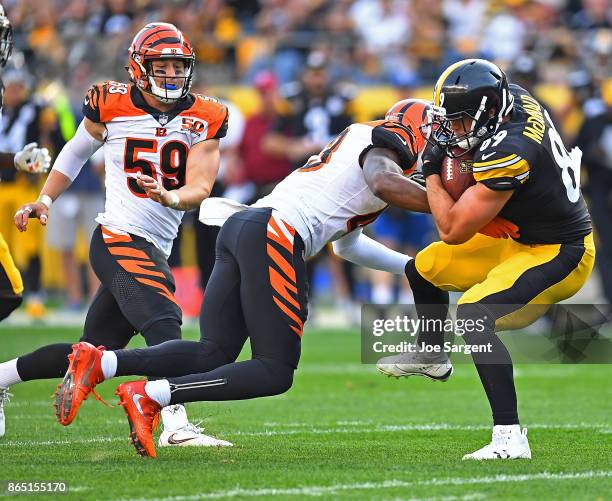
[482, 124]
[168, 91]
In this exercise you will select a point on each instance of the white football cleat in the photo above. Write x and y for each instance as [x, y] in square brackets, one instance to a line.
[4, 397]
[434, 366]
[190, 435]
[178, 431]
[508, 442]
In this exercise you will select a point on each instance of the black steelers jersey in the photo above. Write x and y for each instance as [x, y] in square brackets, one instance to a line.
[526, 154]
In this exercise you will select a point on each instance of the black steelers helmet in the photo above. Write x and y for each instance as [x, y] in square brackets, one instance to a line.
[6, 38]
[473, 89]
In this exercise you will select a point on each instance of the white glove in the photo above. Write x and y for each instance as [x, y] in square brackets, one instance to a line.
[33, 159]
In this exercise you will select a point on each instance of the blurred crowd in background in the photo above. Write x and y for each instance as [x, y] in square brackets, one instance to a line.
[294, 74]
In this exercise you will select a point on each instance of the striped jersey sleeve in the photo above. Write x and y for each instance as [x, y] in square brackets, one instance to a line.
[396, 137]
[501, 170]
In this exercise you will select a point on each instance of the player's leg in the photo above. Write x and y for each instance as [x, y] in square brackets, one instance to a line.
[539, 276]
[222, 327]
[11, 288]
[158, 326]
[137, 292]
[11, 284]
[435, 270]
[273, 294]
[104, 325]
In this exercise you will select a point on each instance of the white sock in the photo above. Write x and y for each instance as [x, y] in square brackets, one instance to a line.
[174, 417]
[109, 364]
[159, 391]
[8, 374]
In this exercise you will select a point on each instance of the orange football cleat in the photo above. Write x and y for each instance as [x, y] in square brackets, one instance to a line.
[142, 413]
[84, 373]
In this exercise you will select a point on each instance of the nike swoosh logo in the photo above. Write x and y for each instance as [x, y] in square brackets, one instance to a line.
[177, 441]
[401, 139]
[86, 102]
[136, 400]
[488, 155]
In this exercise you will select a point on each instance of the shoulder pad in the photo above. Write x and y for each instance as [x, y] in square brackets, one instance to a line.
[501, 162]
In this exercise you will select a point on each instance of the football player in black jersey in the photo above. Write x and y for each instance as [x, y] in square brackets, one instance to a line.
[524, 174]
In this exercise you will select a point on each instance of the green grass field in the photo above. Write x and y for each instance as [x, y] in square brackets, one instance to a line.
[342, 431]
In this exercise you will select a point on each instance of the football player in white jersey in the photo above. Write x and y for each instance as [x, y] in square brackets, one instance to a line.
[161, 151]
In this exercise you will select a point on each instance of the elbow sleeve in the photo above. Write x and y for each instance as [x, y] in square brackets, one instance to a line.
[76, 152]
[362, 250]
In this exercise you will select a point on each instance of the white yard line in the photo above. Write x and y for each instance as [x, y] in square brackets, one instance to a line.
[386, 484]
[355, 427]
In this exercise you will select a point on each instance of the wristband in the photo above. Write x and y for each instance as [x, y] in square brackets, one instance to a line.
[174, 199]
[46, 200]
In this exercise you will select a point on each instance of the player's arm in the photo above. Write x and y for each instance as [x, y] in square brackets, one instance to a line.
[364, 251]
[86, 141]
[459, 221]
[386, 179]
[202, 167]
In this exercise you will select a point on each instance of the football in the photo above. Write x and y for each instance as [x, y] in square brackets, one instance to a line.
[457, 174]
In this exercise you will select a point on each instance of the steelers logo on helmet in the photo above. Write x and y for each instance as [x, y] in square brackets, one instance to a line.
[471, 98]
[161, 42]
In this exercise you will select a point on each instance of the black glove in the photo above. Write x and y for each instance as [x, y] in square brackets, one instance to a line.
[432, 160]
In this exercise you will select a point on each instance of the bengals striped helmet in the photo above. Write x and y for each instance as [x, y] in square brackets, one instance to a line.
[416, 115]
[154, 42]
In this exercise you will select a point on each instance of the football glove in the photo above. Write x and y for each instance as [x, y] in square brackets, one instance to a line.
[33, 159]
[418, 178]
[500, 228]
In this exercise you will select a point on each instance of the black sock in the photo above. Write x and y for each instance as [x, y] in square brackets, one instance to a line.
[48, 362]
[431, 304]
[494, 367]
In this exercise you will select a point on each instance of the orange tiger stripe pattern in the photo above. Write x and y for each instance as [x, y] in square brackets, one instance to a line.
[137, 262]
[282, 274]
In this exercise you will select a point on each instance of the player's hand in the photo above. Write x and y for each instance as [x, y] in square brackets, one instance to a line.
[432, 160]
[33, 159]
[33, 209]
[418, 178]
[154, 190]
[500, 228]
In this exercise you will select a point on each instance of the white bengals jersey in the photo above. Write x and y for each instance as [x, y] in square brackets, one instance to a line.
[329, 196]
[141, 139]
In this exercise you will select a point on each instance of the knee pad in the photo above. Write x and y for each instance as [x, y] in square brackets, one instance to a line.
[8, 305]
